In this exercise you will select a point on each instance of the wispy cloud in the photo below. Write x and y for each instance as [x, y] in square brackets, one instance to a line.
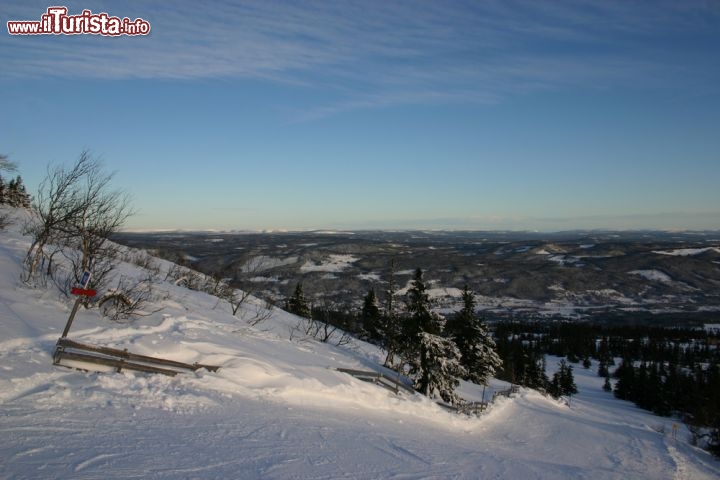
[371, 54]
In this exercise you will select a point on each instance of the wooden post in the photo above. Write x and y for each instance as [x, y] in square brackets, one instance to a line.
[71, 318]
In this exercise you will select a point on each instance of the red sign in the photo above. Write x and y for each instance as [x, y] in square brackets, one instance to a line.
[83, 291]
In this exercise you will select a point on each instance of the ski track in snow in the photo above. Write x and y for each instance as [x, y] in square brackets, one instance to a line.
[278, 409]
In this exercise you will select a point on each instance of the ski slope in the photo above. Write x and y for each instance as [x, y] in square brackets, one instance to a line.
[277, 408]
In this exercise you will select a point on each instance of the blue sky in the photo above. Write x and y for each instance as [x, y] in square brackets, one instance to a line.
[531, 114]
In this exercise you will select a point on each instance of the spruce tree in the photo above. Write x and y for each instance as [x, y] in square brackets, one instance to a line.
[470, 334]
[434, 360]
[370, 316]
[297, 303]
[15, 193]
[607, 386]
[586, 363]
[422, 318]
[563, 382]
[441, 360]
[567, 381]
[23, 196]
[625, 374]
[602, 369]
[10, 193]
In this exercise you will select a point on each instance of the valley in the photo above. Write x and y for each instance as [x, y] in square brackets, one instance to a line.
[641, 277]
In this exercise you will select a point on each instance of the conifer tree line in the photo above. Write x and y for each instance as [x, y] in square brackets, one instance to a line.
[434, 351]
[669, 371]
[12, 191]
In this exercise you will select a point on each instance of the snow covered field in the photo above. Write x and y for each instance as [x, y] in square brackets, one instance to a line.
[278, 408]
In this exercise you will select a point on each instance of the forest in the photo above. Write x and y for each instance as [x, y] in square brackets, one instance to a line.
[666, 370]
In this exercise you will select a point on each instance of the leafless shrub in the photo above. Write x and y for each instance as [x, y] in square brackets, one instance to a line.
[186, 277]
[130, 298]
[322, 331]
[299, 331]
[101, 266]
[142, 259]
[174, 273]
[229, 278]
[261, 311]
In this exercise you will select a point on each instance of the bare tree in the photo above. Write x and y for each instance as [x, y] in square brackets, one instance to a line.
[56, 206]
[101, 212]
[77, 208]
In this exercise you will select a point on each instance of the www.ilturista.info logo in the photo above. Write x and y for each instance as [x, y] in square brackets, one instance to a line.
[57, 22]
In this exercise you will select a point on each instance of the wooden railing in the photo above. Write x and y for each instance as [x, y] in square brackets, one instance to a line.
[380, 379]
[395, 384]
[67, 349]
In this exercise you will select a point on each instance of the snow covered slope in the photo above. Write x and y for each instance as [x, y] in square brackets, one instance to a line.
[278, 409]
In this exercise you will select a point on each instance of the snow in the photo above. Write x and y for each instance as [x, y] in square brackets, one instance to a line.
[262, 263]
[278, 408]
[260, 279]
[373, 277]
[335, 263]
[685, 252]
[565, 259]
[436, 293]
[405, 272]
[652, 275]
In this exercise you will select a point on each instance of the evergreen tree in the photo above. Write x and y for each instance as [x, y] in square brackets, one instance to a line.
[603, 369]
[8, 166]
[422, 320]
[371, 316]
[607, 386]
[440, 360]
[297, 304]
[563, 381]
[10, 193]
[625, 374]
[23, 196]
[586, 363]
[478, 350]
[15, 193]
[567, 380]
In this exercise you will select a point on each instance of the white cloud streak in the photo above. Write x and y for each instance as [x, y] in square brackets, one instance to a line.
[369, 54]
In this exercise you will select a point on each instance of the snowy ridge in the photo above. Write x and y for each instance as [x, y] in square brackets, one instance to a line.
[653, 275]
[686, 252]
[277, 408]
